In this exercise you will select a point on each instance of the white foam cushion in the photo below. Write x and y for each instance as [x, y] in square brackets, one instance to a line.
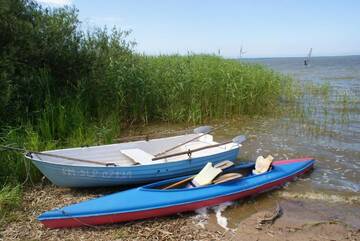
[206, 175]
[262, 164]
[138, 156]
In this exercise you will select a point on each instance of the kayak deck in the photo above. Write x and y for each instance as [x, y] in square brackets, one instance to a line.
[149, 201]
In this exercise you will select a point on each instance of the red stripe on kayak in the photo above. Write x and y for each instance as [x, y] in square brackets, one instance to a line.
[282, 162]
[122, 217]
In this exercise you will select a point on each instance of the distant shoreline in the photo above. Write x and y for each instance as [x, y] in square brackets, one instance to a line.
[299, 57]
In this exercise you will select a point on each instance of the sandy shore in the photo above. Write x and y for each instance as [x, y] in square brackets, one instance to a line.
[299, 220]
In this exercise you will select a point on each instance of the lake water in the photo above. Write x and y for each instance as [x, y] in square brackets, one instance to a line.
[324, 124]
[329, 127]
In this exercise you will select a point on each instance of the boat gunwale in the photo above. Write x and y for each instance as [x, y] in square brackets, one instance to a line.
[134, 166]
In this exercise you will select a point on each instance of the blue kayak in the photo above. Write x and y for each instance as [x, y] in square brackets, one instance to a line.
[152, 201]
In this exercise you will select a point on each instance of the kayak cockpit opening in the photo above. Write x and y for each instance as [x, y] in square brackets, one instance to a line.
[220, 173]
[185, 183]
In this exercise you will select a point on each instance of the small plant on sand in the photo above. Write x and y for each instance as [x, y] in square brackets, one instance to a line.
[10, 199]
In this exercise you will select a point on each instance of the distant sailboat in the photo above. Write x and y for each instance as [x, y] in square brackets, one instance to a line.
[242, 52]
[307, 60]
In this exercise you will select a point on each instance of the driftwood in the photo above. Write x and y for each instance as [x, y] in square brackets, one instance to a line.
[269, 219]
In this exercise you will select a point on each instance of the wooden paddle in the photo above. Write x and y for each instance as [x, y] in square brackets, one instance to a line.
[222, 165]
[227, 177]
[202, 129]
[238, 140]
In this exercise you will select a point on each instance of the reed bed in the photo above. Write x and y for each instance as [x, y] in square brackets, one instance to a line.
[62, 86]
[199, 88]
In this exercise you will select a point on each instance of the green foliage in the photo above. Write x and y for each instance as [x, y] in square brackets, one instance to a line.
[197, 88]
[10, 199]
[316, 89]
[61, 86]
[16, 169]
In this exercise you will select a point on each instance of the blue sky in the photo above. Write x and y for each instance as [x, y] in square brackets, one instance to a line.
[276, 28]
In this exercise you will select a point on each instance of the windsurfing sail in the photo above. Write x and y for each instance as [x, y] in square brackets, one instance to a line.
[307, 60]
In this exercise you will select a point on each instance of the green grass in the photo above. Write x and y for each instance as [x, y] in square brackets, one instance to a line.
[10, 199]
[16, 169]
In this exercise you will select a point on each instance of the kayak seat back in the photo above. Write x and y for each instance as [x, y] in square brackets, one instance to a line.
[138, 156]
[262, 164]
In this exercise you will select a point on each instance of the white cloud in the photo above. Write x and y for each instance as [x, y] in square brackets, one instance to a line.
[56, 2]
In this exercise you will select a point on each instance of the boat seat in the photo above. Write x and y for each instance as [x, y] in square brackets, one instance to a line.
[138, 156]
[227, 177]
[262, 164]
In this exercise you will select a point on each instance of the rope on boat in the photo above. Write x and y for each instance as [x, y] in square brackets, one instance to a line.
[26, 165]
[29, 154]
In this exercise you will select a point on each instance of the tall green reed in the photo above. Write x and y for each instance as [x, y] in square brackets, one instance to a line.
[198, 88]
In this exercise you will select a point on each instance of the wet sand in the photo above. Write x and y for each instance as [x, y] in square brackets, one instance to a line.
[300, 219]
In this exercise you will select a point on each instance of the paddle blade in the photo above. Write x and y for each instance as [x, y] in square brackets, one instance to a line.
[202, 129]
[239, 139]
[224, 164]
[227, 177]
